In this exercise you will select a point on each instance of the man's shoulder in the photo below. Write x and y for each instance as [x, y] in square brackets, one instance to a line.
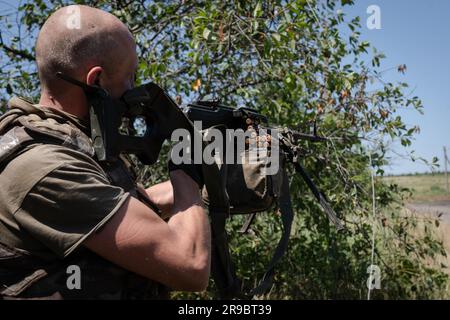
[46, 157]
[24, 171]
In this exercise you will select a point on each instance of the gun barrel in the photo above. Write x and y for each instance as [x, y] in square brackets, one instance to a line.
[296, 135]
[309, 137]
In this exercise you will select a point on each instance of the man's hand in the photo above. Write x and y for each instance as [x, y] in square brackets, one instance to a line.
[194, 171]
[161, 195]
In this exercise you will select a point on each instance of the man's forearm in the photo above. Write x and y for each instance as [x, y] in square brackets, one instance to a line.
[193, 226]
[190, 220]
[180, 199]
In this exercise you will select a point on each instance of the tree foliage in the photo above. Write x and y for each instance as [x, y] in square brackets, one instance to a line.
[299, 62]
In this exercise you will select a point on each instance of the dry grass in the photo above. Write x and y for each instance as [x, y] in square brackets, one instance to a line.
[430, 189]
[425, 187]
[442, 232]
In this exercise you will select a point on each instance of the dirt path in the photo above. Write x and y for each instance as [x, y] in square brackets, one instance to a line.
[436, 208]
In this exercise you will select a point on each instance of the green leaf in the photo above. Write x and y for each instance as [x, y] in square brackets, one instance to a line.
[9, 89]
[277, 37]
[206, 33]
[292, 44]
[257, 11]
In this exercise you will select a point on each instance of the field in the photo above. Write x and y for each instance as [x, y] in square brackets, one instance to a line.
[426, 187]
[430, 199]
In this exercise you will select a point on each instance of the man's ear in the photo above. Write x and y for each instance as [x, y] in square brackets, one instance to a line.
[93, 76]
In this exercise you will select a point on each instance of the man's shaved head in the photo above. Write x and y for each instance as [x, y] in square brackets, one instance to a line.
[75, 39]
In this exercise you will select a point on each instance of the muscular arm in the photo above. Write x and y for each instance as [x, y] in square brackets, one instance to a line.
[176, 253]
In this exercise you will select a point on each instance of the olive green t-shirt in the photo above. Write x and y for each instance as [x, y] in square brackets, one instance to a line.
[52, 198]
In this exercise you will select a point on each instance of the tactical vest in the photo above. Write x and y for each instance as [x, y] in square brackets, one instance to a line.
[24, 276]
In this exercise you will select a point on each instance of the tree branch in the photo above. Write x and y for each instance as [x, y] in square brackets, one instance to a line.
[21, 53]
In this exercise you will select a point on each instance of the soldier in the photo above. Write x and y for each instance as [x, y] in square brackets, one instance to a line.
[59, 207]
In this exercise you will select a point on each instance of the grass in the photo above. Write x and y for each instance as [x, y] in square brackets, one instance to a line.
[429, 189]
[425, 187]
[444, 234]
[442, 231]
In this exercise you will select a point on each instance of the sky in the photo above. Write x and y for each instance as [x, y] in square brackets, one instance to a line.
[415, 33]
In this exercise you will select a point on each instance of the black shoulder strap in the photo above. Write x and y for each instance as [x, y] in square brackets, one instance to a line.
[223, 270]
[222, 267]
[287, 216]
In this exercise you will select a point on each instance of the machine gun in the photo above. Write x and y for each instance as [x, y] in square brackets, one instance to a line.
[213, 114]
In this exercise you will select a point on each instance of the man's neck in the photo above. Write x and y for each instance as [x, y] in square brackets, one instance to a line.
[73, 104]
